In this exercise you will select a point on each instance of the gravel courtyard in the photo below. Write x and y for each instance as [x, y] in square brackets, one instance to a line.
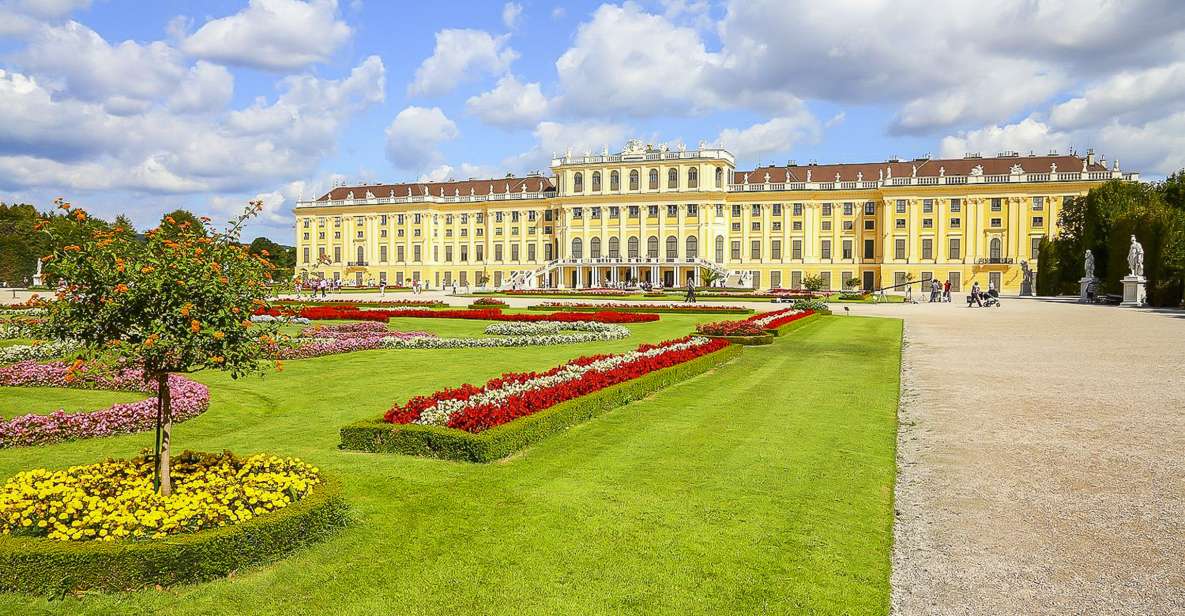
[1041, 460]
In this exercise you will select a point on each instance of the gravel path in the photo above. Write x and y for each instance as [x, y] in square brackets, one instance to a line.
[1041, 459]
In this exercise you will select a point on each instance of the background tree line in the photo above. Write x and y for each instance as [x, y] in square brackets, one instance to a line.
[1104, 221]
[21, 245]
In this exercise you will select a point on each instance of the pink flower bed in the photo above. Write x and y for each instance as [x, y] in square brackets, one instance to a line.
[189, 399]
[321, 340]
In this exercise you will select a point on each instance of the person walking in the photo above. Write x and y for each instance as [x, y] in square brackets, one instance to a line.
[974, 298]
[946, 291]
[690, 291]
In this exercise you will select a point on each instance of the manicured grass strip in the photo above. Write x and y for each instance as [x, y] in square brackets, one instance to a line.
[794, 325]
[745, 340]
[16, 401]
[41, 566]
[378, 436]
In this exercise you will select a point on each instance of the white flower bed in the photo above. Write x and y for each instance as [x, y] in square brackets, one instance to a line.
[590, 332]
[443, 410]
[267, 318]
[768, 318]
[539, 328]
[24, 352]
[12, 331]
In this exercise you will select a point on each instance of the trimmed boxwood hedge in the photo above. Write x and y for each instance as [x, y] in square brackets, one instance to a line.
[36, 565]
[793, 325]
[766, 338]
[378, 436]
[714, 310]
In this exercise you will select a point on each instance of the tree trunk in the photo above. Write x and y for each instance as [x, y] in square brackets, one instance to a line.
[166, 433]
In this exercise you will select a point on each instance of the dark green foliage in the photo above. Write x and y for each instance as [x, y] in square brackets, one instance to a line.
[21, 245]
[378, 436]
[46, 567]
[283, 257]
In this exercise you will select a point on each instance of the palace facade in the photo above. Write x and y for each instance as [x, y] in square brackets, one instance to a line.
[661, 216]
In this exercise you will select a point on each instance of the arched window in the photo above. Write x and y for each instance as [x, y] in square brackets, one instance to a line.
[614, 248]
[692, 178]
[594, 248]
[654, 179]
[632, 247]
[995, 248]
[614, 181]
[720, 249]
[596, 181]
[578, 182]
[673, 178]
[577, 248]
[361, 254]
[634, 179]
[652, 247]
[719, 177]
[672, 246]
[692, 247]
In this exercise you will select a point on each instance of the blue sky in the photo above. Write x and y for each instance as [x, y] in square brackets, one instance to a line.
[142, 107]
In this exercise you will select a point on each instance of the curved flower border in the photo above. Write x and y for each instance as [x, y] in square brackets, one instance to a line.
[189, 399]
[23, 352]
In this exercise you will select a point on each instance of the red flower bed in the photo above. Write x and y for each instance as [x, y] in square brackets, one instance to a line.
[514, 395]
[484, 314]
[730, 328]
[489, 301]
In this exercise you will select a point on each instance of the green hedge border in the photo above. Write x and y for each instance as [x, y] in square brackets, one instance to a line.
[794, 325]
[642, 309]
[763, 339]
[378, 436]
[34, 565]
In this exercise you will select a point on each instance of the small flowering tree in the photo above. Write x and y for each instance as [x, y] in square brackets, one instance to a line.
[179, 301]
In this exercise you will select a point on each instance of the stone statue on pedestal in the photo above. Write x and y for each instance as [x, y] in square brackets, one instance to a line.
[37, 276]
[1088, 285]
[1028, 284]
[1089, 264]
[1135, 258]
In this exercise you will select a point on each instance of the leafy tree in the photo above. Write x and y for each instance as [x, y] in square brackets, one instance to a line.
[813, 283]
[180, 301]
[283, 257]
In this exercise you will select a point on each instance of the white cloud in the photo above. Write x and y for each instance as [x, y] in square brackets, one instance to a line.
[461, 172]
[777, 136]
[1137, 94]
[208, 87]
[555, 138]
[277, 35]
[512, 12]
[461, 56]
[558, 12]
[1028, 134]
[511, 104]
[415, 133]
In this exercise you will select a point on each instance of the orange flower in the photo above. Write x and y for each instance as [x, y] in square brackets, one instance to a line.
[73, 248]
[224, 280]
[195, 326]
[121, 288]
[149, 341]
[185, 309]
[264, 252]
[246, 323]
[217, 359]
[279, 366]
[147, 269]
[219, 335]
[63, 204]
[170, 220]
[234, 309]
[216, 266]
[80, 215]
[180, 282]
[77, 365]
[198, 252]
[119, 264]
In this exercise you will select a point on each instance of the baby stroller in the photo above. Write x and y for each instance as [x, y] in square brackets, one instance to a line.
[986, 300]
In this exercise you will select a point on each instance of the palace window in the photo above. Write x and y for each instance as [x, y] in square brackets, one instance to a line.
[497, 252]
[825, 249]
[531, 215]
[755, 250]
[797, 209]
[635, 211]
[796, 249]
[337, 235]
[997, 204]
[652, 211]
[359, 234]
[652, 247]
[635, 180]
[777, 209]
[306, 255]
[497, 217]
[614, 211]
[514, 254]
[869, 208]
[692, 209]
[954, 248]
[547, 215]
[996, 222]
[847, 249]
[869, 224]
[596, 182]
[514, 216]
[826, 225]
[653, 179]
[901, 206]
[692, 178]
[531, 252]
[736, 226]
[720, 249]
[692, 247]
[756, 210]
[719, 210]
[719, 177]
[594, 248]
[848, 208]
[321, 235]
[672, 246]
[577, 248]
[775, 249]
[481, 256]
[306, 236]
[614, 248]
[955, 223]
[735, 250]
[756, 226]
[796, 225]
[927, 248]
[673, 178]
[900, 223]
[547, 251]
[614, 180]
[672, 211]
[736, 211]
[847, 225]
[1035, 246]
[480, 217]
[632, 247]
[927, 223]
[578, 182]
[927, 206]
[399, 254]
[869, 249]
[577, 212]
[777, 225]
[995, 248]
[956, 205]
[448, 254]
[417, 252]
[1038, 221]
[417, 218]
[305, 223]
[899, 249]
[595, 212]
[464, 253]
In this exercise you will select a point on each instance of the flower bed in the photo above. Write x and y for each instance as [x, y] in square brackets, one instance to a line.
[546, 292]
[515, 395]
[46, 350]
[189, 399]
[655, 308]
[488, 314]
[488, 302]
[102, 527]
[12, 329]
[481, 424]
[731, 328]
[409, 303]
[771, 321]
[321, 340]
[757, 329]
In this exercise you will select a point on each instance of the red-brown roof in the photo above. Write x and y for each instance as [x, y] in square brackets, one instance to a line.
[932, 167]
[446, 189]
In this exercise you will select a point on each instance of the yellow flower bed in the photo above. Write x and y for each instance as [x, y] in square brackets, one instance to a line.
[114, 499]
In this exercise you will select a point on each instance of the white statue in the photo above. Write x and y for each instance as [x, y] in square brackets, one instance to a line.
[977, 170]
[37, 276]
[1089, 264]
[1135, 258]
[1016, 170]
[808, 175]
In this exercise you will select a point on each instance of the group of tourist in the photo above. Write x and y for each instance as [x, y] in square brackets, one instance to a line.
[939, 291]
[316, 286]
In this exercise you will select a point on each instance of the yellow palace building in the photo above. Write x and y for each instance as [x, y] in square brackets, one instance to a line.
[659, 216]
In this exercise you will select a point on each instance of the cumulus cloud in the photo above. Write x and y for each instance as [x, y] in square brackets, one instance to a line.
[777, 136]
[1028, 134]
[511, 104]
[1127, 95]
[276, 35]
[460, 172]
[556, 137]
[461, 56]
[415, 134]
[512, 12]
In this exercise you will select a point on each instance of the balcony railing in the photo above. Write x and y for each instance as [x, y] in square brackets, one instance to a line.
[1076, 176]
[995, 261]
[357, 263]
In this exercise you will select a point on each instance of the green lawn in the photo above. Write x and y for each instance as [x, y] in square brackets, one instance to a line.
[763, 487]
[44, 400]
